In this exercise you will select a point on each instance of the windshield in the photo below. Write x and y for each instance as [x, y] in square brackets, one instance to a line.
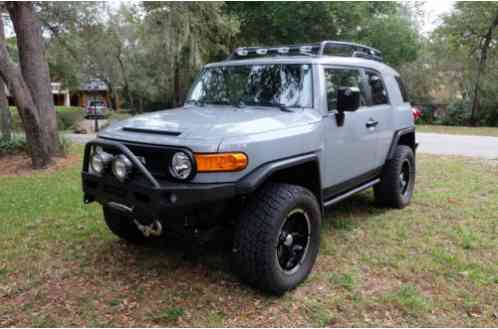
[96, 103]
[288, 85]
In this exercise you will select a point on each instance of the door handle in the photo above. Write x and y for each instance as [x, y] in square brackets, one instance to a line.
[371, 123]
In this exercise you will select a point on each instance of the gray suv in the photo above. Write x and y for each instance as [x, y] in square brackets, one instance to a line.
[266, 140]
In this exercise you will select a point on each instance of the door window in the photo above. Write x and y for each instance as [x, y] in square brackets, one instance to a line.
[336, 78]
[377, 89]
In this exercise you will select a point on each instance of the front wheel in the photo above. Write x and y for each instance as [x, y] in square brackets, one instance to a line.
[277, 237]
[397, 180]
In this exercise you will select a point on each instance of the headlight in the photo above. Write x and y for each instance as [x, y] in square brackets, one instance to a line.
[122, 167]
[181, 165]
[99, 161]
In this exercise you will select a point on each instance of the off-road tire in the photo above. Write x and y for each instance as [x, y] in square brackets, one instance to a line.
[123, 226]
[258, 233]
[389, 192]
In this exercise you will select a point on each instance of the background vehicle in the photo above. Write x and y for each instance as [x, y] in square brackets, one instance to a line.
[417, 113]
[96, 109]
[265, 141]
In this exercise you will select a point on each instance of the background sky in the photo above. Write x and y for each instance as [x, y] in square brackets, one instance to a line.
[434, 9]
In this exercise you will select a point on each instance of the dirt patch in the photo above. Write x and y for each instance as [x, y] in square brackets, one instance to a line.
[378, 285]
[20, 164]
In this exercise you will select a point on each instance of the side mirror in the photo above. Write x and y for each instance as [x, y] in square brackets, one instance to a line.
[348, 99]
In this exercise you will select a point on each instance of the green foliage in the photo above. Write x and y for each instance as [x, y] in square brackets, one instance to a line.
[465, 32]
[169, 315]
[67, 120]
[66, 145]
[409, 299]
[458, 114]
[380, 33]
[14, 145]
[345, 281]
[67, 117]
[149, 52]
[376, 24]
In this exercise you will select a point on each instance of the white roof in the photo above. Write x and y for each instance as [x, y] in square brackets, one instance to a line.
[324, 60]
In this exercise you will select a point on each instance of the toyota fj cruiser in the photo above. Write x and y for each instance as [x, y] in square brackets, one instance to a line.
[265, 141]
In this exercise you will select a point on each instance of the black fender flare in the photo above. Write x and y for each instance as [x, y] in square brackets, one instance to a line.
[396, 137]
[258, 176]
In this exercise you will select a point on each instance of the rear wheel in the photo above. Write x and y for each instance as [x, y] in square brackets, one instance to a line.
[277, 237]
[398, 179]
[123, 226]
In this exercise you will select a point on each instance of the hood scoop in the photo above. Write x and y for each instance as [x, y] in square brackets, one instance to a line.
[152, 131]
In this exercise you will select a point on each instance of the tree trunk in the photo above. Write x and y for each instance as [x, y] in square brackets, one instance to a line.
[35, 71]
[476, 104]
[27, 110]
[5, 117]
[30, 116]
[176, 84]
[126, 87]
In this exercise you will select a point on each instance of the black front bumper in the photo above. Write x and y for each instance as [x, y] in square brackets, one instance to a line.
[147, 196]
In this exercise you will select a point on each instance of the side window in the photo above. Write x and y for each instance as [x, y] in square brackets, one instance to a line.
[337, 78]
[402, 89]
[377, 89]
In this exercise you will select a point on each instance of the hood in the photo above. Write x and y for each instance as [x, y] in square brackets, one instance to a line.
[207, 123]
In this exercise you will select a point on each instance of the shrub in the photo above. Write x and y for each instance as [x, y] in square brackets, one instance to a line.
[66, 120]
[67, 117]
[65, 145]
[458, 114]
[14, 145]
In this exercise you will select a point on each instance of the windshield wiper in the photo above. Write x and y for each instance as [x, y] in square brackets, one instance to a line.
[284, 108]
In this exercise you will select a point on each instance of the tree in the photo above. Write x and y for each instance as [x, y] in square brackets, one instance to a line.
[5, 117]
[30, 84]
[376, 24]
[472, 26]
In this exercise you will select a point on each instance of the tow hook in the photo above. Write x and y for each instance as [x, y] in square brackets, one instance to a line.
[154, 229]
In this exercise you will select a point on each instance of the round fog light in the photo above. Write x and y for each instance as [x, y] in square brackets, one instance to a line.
[181, 165]
[99, 162]
[122, 167]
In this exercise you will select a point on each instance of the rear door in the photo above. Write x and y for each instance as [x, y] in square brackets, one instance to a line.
[350, 148]
[381, 114]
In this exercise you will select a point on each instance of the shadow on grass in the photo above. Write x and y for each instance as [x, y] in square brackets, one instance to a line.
[176, 257]
[349, 213]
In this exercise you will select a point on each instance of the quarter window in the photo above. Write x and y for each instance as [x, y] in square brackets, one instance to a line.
[402, 89]
[337, 78]
[377, 89]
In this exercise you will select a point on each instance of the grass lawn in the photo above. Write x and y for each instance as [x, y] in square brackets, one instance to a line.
[478, 131]
[434, 263]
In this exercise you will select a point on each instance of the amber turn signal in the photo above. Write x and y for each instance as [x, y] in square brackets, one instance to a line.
[217, 162]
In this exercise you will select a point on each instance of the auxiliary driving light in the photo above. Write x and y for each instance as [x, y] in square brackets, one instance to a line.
[181, 165]
[122, 167]
[99, 161]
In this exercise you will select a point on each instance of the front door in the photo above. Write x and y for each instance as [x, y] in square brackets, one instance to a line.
[350, 146]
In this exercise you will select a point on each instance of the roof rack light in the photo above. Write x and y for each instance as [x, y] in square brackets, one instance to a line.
[324, 48]
[306, 49]
[283, 50]
[241, 52]
[261, 51]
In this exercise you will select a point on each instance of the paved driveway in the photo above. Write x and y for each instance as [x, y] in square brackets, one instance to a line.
[473, 146]
[79, 138]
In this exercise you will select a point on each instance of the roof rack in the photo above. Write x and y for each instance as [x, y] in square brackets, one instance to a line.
[324, 48]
